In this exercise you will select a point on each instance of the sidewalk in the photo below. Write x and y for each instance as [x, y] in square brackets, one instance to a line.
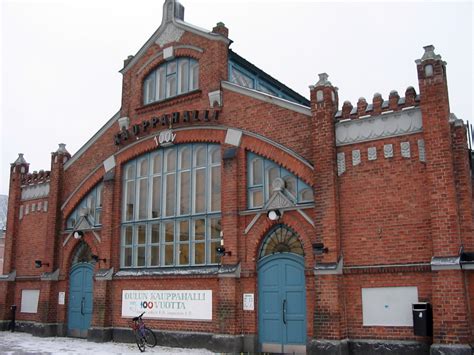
[24, 343]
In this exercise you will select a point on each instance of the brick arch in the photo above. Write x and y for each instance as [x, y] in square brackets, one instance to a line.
[291, 219]
[72, 245]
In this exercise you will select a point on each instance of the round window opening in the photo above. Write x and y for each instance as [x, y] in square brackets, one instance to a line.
[281, 239]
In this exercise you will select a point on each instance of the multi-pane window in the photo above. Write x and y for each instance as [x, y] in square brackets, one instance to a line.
[172, 78]
[171, 207]
[90, 206]
[261, 174]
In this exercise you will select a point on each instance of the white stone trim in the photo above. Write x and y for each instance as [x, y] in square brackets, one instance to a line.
[377, 127]
[109, 163]
[233, 137]
[266, 98]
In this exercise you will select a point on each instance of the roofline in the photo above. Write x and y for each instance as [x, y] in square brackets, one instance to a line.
[92, 140]
[290, 105]
[245, 63]
[180, 24]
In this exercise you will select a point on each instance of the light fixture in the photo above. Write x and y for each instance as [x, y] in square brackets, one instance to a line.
[319, 249]
[221, 251]
[78, 234]
[39, 263]
[274, 215]
[96, 258]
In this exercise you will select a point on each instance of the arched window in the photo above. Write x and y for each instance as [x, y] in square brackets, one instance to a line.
[261, 174]
[90, 207]
[176, 221]
[170, 79]
[281, 239]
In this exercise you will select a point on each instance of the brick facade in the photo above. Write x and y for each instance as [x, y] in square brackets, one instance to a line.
[393, 205]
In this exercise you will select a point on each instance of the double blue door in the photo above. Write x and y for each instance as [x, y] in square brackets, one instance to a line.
[80, 299]
[282, 303]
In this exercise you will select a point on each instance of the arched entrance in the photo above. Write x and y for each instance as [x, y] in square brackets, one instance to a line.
[80, 292]
[281, 293]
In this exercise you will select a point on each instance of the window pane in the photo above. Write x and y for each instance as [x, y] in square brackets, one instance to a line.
[199, 191]
[169, 232]
[185, 192]
[215, 228]
[98, 217]
[256, 198]
[171, 68]
[99, 195]
[199, 229]
[185, 158]
[143, 195]
[141, 256]
[155, 255]
[183, 252]
[214, 257]
[306, 195]
[170, 194]
[156, 161]
[200, 156]
[184, 231]
[130, 200]
[128, 235]
[169, 252]
[155, 233]
[161, 77]
[130, 172]
[183, 74]
[215, 155]
[194, 76]
[290, 184]
[241, 79]
[215, 188]
[257, 172]
[199, 253]
[170, 160]
[141, 234]
[143, 167]
[171, 86]
[127, 257]
[272, 174]
[156, 197]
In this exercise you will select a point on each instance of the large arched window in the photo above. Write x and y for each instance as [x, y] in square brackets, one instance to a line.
[281, 239]
[171, 207]
[90, 207]
[172, 78]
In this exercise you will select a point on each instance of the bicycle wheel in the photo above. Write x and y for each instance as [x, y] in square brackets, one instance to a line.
[150, 337]
[140, 340]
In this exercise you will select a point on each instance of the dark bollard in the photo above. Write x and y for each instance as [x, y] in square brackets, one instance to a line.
[12, 323]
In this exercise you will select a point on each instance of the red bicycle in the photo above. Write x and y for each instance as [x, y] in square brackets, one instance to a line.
[144, 336]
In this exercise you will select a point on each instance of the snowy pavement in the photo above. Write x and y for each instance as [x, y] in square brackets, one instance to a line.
[24, 343]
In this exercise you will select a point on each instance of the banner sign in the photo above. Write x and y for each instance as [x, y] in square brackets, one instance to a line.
[168, 304]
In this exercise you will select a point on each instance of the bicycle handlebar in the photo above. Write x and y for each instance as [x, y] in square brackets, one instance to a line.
[139, 317]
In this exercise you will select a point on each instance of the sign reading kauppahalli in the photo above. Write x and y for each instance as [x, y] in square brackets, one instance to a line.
[168, 304]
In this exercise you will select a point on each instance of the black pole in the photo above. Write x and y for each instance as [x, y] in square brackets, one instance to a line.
[12, 323]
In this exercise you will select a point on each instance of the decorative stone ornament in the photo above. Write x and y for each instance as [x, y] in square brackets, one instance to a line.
[405, 148]
[341, 163]
[372, 153]
[421, 150]
[356, 157]
[388, 150]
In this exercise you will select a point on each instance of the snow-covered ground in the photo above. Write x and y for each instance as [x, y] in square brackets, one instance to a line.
[24, 343]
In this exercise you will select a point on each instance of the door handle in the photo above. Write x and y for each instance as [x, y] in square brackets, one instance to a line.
[284, 311]
[82, 306]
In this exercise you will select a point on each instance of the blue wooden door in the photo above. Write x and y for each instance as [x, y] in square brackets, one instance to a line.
[282, 303]
[80, 299]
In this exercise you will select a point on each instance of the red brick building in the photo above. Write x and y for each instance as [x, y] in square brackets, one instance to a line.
[242, 217]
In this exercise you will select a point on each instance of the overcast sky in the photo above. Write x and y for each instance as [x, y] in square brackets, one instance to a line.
[60, 58]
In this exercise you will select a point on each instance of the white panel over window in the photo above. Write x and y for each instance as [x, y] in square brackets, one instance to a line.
[388, 306]
[29, 301]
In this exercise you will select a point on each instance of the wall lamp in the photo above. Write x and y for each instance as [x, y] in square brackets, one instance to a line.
[78, 234]
[97, 259]
[274, 215]
[319, 249]
[221, 251]
[39, 263]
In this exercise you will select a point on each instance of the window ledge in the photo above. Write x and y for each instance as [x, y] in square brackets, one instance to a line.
[212, 270]
[169, 101]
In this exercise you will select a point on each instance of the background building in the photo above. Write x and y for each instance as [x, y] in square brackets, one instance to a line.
[3, 227]
[241, 217]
